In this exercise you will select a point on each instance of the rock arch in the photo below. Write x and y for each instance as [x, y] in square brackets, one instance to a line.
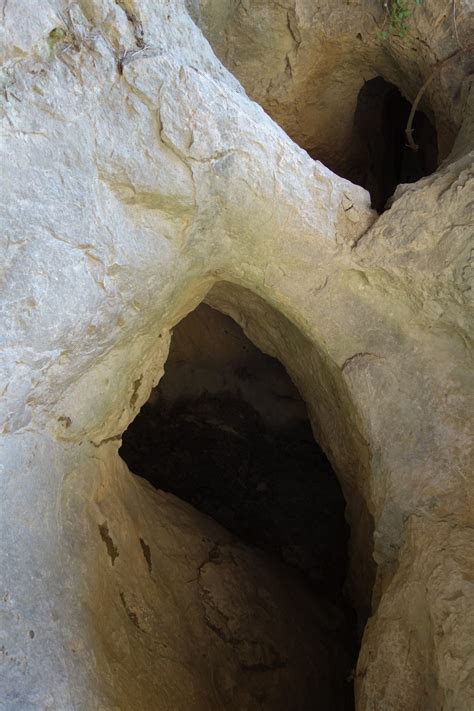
[135, 187]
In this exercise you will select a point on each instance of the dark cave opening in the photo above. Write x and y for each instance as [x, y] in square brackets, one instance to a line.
[385, 158]
[227, 431]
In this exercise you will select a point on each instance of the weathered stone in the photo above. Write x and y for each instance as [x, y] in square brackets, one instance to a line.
[306, 65]
[139, 181]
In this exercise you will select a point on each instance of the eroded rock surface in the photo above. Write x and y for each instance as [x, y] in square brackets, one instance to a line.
[139, 180]
[306, 63]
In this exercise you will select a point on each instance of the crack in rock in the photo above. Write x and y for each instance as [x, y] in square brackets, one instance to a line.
[227, 617]
[112, 550]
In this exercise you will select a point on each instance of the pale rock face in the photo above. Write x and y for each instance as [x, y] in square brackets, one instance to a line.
[137, 185]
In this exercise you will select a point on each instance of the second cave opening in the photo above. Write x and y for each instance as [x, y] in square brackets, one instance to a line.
[385, 159]
[227, 431]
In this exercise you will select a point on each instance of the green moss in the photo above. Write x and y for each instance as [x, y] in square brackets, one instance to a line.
[59, 37]
[397, 21]
[55, 37]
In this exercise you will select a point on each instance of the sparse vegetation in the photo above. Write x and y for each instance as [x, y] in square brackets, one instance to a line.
[56, 37]
[397, 17]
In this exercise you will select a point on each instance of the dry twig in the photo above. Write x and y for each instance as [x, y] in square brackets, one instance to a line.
[437, 68]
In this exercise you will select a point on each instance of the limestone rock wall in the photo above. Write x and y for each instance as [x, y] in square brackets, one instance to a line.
[305, 63]
[126, 597]
[139, 179]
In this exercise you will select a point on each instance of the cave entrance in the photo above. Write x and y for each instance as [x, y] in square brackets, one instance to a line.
[385, 159]
[227, 431]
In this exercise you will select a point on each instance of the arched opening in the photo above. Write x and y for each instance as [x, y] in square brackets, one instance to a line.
[227, 431]
[385, 158]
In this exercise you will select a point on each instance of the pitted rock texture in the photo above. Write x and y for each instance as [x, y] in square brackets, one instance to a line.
[138, 180]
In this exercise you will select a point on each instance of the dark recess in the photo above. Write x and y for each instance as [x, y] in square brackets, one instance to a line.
[385, 159]
[272, 487]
